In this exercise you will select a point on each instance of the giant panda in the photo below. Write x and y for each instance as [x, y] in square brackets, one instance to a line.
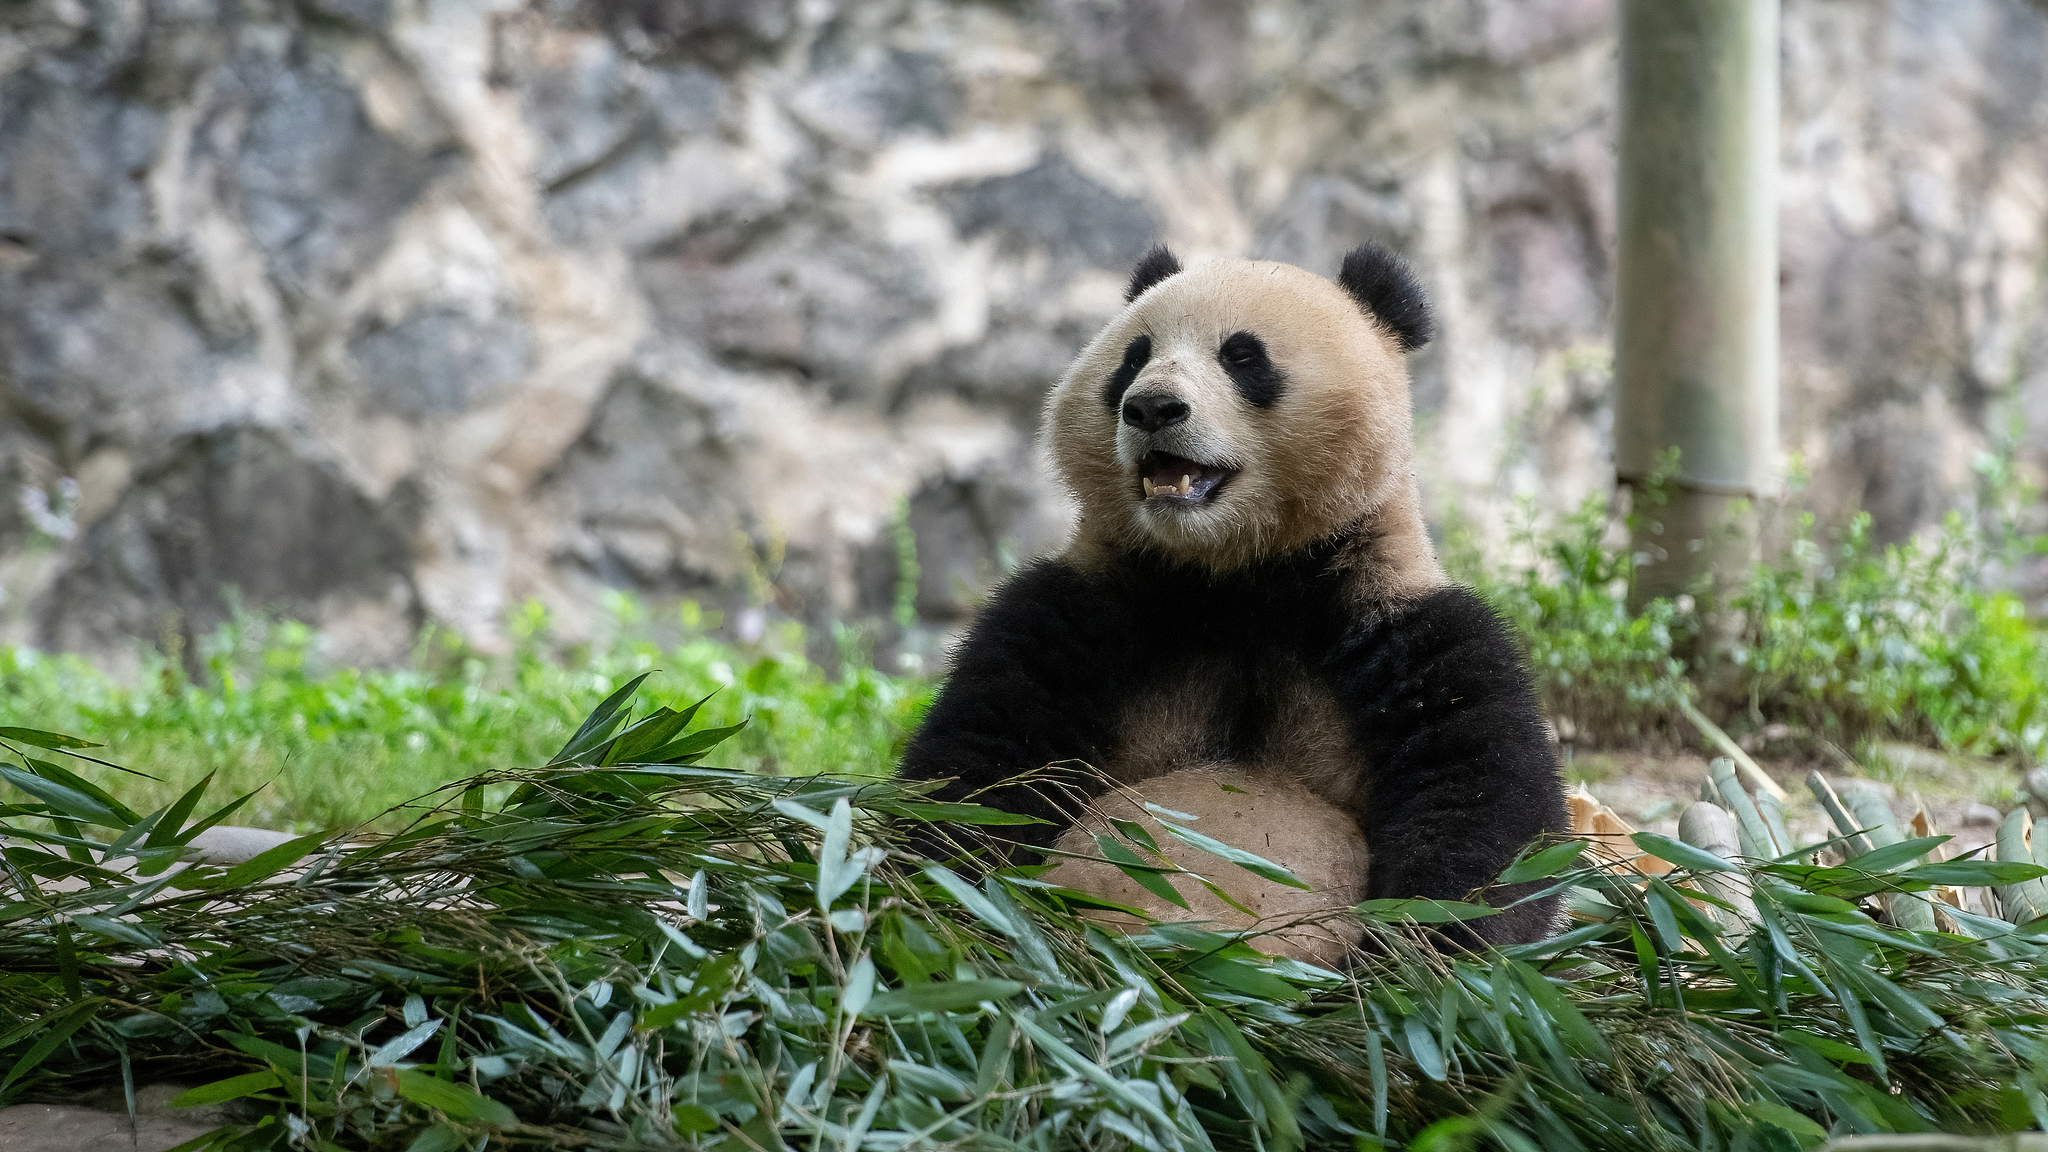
[1249, 624]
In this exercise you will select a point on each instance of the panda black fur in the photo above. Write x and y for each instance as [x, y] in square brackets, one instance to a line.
[1249, 622]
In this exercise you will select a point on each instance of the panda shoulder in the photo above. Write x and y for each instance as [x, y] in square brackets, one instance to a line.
[1448, 630]
[1046, 600]
[1046, 580]
[1453, 608]
[1455, 615]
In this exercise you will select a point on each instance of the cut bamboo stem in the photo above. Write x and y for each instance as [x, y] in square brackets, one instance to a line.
[1710, 828]
[1754, 834]
[1773, 811]
[1854, 843]
[1908, 910]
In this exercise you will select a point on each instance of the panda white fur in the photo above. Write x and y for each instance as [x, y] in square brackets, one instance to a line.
[1250, 624]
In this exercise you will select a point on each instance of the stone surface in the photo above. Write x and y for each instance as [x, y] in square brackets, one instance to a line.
[102, 1123]
[389, 311]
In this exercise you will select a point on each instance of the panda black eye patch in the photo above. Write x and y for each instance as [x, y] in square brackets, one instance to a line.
[1136, 354]
[1258, 379]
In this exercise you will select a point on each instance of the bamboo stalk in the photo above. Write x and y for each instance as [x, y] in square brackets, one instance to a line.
[1696, 306]
[2028, 899]
[1854, 844]
[1773, 812]
[1873, 814]
[1753, 833]
[1710, 828]
[1908, 910]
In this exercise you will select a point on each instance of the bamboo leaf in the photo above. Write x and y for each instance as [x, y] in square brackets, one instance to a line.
[835, 875]
[1138, 1034]
[1558, 1009]
[62, 776]
[688, 747]
[1544, 864]
[64, 800]
[117, 930]
[1146, 875]
[232, 1088]
[1973, 873]
[1059, 1050]
[266, 864]
[1137, 834]
[1834, 1050]
[1239, 976]
[55, 741]
[860, 986]
[599, 725]
[168, 827]
[1859, 1022]
[963, 892]
[1423, 1049]
[60, 1025]
[1890, 856]
[940, 813]
[638, 743]
[1660, 900]
[1257, 865]
[940, 996]
[456, 1100]
[1423, 911]
[1680, 853]
[403, 1045]
[1872, 933]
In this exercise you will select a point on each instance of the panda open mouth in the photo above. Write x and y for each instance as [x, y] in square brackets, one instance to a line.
[1174, 480]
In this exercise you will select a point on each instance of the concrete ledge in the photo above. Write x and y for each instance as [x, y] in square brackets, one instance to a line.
[62, 1128]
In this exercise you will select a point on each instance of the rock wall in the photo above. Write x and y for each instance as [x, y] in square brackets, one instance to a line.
[389, 311]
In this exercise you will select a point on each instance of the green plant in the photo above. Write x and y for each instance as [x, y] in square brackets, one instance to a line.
[1898, 641]
[631, 951]
[1849, 641]
[908, 570]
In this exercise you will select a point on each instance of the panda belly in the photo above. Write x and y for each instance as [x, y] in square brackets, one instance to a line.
[1284, 798]
[1269, 813]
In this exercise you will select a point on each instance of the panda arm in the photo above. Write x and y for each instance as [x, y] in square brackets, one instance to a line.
[1458, 772]
[1036, 681]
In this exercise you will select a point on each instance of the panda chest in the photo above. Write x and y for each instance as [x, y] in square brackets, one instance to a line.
[1221, 715]
[1260, 761]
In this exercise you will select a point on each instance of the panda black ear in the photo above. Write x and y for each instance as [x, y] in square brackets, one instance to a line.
[1384, 285]
[1157, 265]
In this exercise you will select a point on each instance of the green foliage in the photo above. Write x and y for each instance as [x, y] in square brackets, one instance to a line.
[333, 746]
[661, 955]
[1898, 641]
[1849, 641]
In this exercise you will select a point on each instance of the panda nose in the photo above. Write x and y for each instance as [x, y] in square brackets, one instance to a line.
[1151, 412]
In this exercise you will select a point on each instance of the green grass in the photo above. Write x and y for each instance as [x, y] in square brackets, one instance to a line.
[330, 748]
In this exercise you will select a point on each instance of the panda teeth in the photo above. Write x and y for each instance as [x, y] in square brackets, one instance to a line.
[1184, 485]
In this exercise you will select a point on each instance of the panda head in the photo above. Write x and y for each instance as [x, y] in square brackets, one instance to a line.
[1240, 409]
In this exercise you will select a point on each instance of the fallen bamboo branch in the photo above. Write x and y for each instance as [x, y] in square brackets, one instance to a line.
[1730, 748]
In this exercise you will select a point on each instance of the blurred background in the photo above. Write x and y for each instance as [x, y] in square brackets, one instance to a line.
[389, 313]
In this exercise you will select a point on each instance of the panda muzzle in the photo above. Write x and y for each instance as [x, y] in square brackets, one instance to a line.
[1167, 479]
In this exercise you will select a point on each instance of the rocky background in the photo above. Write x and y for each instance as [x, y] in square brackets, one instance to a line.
[395, 311]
